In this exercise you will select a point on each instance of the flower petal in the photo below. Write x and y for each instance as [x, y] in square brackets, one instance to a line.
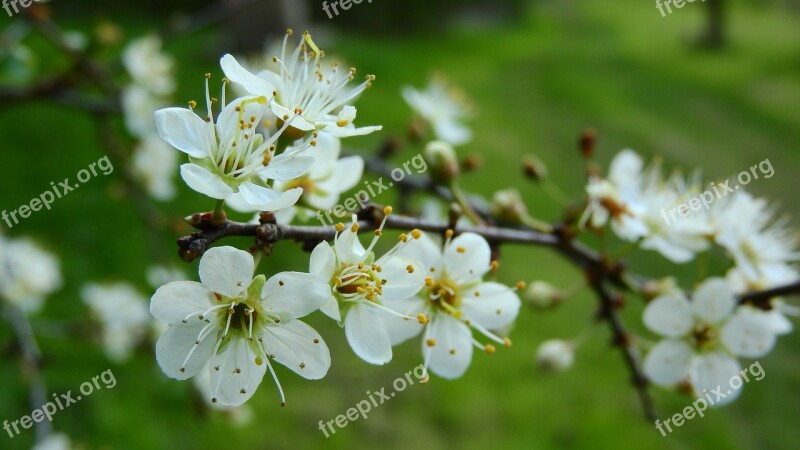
[427, 251]
[367, 335]
[400, 282]
[173, 302]
[452, 353]
[331, 309]
[186, 131]
[713, 300]
[467, 258]
[177, 342]
[291, 295]
[323, 261]
[399, 329]
[299, 347]
[251, 83]
[668, 362]
[669, 315]
[266, 199]
[711, 374]
[227, 271]
[749, 333]
[235, 372]
[490, 305]
[204, 182]
[349, 249]
[287, 166]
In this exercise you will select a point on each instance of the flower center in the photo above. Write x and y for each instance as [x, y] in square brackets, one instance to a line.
[359, 281]
[704, 337]
[444, 295]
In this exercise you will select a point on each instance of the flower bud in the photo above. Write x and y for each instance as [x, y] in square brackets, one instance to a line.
[507, 206]
[542, 295]
[555, 355]
[534, 168]
[442, 161]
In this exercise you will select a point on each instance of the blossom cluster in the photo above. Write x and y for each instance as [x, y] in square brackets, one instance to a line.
[703, 333]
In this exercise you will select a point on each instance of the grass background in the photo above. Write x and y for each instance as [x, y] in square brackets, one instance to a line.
[618, 67]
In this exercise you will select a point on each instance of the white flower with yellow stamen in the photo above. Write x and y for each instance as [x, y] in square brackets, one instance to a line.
[444, 108]
[149, 66]
[301, 86]
[360, 285]
[237, 324]
[229, 160]
[28, 274]
[455, 299]
[122, 313]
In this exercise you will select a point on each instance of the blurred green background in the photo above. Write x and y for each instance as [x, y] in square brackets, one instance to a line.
[539, 73]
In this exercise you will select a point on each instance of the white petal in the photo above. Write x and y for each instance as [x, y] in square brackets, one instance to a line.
[451, 355]
[186, 131]
[298, 122]
[250, 82]
[467, 258]
[713, 300]
[668, 362]
[347, 131]
[204, 182]
[227, 271]
[400, 283]
[349, 249]
[266, 199]
[367, 335]
[298, 347]
[235, 373]
[711, 373]
[490, 305]
[287, 166]
[669, 315]
[229, 129]
[331, 309]
[323, 261]
[399, 329]
[291, 295]
[426, 251]
[452, 132]
[176, 343]
[749, 334]
[325, 154]
[173, 302]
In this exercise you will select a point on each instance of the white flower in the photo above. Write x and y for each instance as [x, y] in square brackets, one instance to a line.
[637, 200]
[28, 273]
[454, 300]
[237, 324]
[327, 179]
[138, 107]
[122, 312]
[239, 415]
[158, 275]
[761, 246]
[154, 164]
[302, 86]
[703, 338]
[444, 108]
[149, 66]
[360, 285]
[229, 160]
[555, 355]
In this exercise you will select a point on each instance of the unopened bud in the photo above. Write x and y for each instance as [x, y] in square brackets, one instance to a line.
[507, 206]
[587, 143]
[555, 355]
[542, 295]
[534, 168]
[442, 161]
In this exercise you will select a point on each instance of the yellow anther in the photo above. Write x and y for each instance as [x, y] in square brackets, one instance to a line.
[428, 281]
[490, 349]
[422, 319]
[495, 264]
[387, 210]
[430, 342]
[448, 233]
[339, 227]
[521, 285]
[416, 234]
[403, 237]
[378, 233]
[461, 249]
[507, 341]
[354, 228]
[410, 268]
[192, 104]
